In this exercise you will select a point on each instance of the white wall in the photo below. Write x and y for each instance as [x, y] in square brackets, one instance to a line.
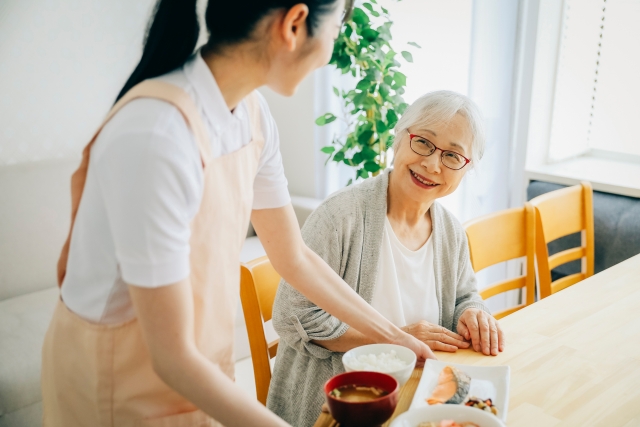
[295, 117]
[62, 63]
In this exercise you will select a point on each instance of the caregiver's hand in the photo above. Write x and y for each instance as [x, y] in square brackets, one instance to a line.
[419, 348]
[436, 336]
[483, 330]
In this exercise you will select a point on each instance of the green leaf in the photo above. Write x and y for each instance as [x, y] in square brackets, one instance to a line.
[357, 159]
[373, 74]
[392, 118]
[325, 119]
[375, 13]
[400, 109]
[359, 16]
[385, 11]
[350, 182]
[366, 126]
[370, 34]
[348, 31]
[365, 137]
[388, 79]
[368, 6]
[328, 149]
[362, 173]
[372, 167]
[384, 90]
[363, 84]
[397, 99]
[368, 153]
[339, 156]
[336, 91]
[400, 79]
[407, 56]
[414, 44]
[343, 62]
[359, 99]
[381, 126]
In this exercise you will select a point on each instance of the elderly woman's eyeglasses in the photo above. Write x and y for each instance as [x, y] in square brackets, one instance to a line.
[422, 146]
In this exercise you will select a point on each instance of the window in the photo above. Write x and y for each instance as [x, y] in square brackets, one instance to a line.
[597, 89]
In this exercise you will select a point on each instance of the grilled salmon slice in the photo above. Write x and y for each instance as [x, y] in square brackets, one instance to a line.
[453, 387]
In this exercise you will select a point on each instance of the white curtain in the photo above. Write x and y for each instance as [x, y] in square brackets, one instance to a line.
[487, 188]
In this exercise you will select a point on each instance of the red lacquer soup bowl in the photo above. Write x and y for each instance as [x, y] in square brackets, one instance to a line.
[370, 413]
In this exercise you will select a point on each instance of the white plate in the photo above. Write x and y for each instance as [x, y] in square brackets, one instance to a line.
[437, 413]
[487, 382]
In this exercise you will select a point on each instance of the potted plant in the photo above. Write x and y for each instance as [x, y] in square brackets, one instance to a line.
[372, 107]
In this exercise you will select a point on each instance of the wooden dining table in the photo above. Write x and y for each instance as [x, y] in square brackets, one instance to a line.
[574, 356]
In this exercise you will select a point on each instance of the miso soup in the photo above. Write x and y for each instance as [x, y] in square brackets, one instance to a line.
[358, 393]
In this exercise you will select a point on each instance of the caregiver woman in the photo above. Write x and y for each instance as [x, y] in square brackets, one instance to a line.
[161, 203]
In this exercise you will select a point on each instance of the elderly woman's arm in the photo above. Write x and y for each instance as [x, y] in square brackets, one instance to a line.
[472, 319]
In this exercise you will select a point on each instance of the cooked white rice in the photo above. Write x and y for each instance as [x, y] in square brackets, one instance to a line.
[382, 362]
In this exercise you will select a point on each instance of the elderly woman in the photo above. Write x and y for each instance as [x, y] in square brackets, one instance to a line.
[399, 249]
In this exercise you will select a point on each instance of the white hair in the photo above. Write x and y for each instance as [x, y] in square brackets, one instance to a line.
[440, 107]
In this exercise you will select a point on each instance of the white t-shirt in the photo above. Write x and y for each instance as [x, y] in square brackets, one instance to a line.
[405, 291]
[145, 185]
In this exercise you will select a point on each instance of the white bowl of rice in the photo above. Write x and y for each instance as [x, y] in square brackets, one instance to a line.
[395, 360]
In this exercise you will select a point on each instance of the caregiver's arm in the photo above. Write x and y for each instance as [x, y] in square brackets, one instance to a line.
[309, 274]
[165, 315]
[435, 336]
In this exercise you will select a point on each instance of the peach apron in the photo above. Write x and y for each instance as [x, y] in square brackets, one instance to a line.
[98, 375]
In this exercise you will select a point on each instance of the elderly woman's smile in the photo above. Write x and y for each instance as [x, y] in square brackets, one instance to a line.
[422, 181]
[428, 158]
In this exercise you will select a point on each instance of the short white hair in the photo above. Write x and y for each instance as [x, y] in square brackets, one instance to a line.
[441, 107]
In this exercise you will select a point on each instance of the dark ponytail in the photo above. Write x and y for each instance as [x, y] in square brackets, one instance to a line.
[173, 31]
[171, 38]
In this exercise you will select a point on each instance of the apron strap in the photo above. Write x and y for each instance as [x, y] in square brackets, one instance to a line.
[147, 89]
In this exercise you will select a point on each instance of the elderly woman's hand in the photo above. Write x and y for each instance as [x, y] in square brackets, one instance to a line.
[436, 336]
[483, 330]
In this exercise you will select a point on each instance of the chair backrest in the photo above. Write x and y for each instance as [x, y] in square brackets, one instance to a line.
[560, 213]
[258, 285]
[500, 237]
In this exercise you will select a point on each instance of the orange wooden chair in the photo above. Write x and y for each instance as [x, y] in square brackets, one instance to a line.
[503, 236]
[258, 285]
[559, 213]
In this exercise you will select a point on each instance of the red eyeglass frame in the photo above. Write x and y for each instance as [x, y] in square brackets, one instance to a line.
[412, 135]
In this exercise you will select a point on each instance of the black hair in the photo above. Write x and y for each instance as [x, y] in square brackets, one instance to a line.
[173, 31]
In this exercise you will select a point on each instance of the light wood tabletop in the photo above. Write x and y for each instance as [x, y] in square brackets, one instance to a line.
[574, 356]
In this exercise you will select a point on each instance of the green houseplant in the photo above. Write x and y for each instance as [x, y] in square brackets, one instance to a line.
[372, 107]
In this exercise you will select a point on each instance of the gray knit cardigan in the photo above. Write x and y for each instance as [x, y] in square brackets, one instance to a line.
[346, 231]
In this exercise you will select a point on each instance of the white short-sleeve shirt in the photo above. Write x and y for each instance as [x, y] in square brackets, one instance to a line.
[144, 186]
[405, 291]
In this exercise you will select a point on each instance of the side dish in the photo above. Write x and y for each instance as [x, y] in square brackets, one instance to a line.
[485, 405]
